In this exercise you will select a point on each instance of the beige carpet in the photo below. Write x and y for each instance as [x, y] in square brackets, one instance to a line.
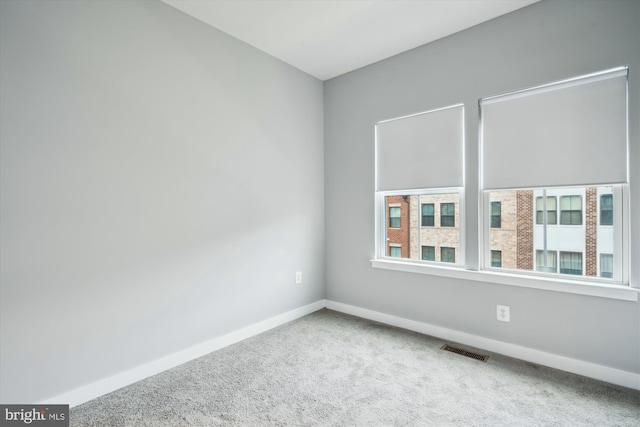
[330, 369]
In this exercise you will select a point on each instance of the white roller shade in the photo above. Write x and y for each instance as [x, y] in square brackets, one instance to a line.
[568, 133]
[421, 151]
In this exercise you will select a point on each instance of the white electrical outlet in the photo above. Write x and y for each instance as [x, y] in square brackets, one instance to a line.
[298, 277]
[503, 314]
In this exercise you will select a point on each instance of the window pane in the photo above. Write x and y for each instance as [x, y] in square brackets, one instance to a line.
[571, 210]
[447, 215]
[606, 265]
[528, 244]
[420, 234]
[395, 252]
[552, 214]
[447, 254]
[551, 265]
[496, 258]
[428, 253]
[571, 263]
[428, 215]
[394, 217]
[495, 215]
[606, 209]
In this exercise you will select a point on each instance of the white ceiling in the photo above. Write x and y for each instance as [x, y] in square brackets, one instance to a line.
[326, 38]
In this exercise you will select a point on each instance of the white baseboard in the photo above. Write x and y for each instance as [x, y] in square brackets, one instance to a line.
[91, 391]
[580, 367]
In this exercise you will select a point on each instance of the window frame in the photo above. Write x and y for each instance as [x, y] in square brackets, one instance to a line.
[540, 213]
[499, 253]
[395, 247]
[572, 211]
[571, 255]
[452, 216]
[601, 210]
[422, 251]
[494, 216]
[432, 216]
[399, 217]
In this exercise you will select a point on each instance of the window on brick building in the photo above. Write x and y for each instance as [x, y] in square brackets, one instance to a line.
[496, 217]
[606, 209]
[606, 265]
[447, 254]
[571, 210]
[428, 216]
[447, 215]
[394, 217]
[551, 208]
[429, 253]
[395, 251]
[571, 263]
[496, 258]
[548, 263]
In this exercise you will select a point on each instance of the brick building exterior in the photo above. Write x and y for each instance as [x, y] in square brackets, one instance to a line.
[421, 229]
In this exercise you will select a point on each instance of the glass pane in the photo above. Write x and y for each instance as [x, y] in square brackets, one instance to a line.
[496, 258]
[423, 233]
[428, 253]
[447, 254]
[606, 209]
[606, 265]
[529, 242]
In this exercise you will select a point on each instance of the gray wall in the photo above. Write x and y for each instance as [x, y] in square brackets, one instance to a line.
[547, 41]
[161, 181]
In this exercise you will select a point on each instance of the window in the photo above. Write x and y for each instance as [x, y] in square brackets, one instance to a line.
[412, 236]
[550, 224]
[395, 251]
[428, 215]
[496, 258]
[422, 186]
[552, 211]
[571, 210]
[606, 209]
[549, 213]
[496, 219]
[429, 253]
[394, 217]
[571, 263]
[447, 254]
[606, 265]
[547, 264]
[447, 215]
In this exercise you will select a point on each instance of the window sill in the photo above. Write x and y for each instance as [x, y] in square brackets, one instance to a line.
[618, 292]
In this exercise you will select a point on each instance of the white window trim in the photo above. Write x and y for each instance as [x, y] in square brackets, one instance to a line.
[554, 284]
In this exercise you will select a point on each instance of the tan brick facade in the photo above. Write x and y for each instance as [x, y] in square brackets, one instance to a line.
[591, 231]
[525, 221]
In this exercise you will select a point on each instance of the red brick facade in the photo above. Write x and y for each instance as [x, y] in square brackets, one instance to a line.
[398, 236]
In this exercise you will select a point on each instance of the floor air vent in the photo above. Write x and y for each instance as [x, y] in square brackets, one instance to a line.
[467, 353]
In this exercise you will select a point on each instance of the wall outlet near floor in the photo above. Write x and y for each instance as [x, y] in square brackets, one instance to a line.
[503, 313]
[298, 277]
